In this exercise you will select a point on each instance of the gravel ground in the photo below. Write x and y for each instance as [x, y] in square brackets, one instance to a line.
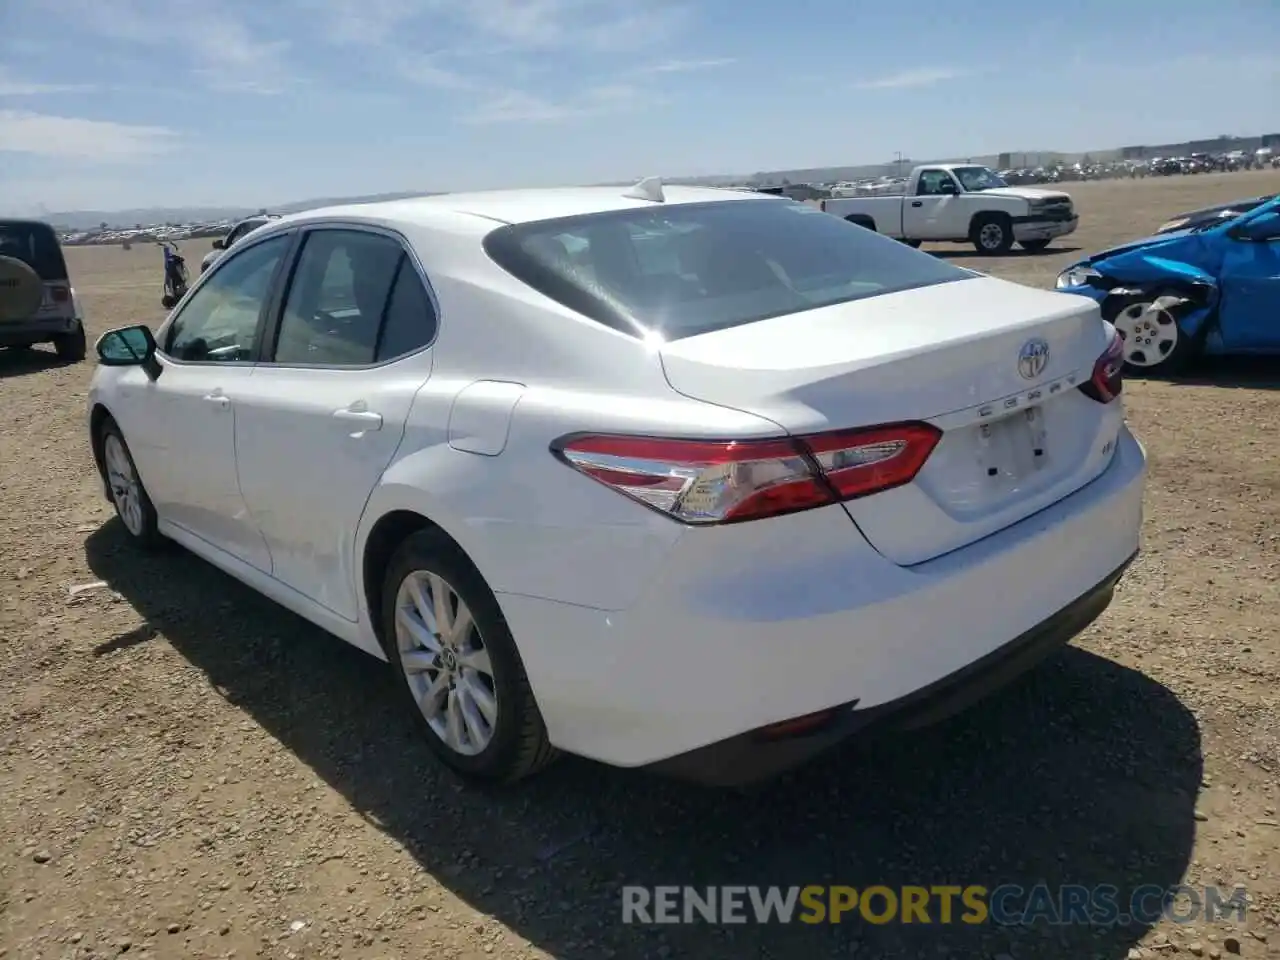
[188, 771]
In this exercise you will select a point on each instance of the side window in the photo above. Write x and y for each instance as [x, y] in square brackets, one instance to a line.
[341, 289]
[410, 322]
[220, 321]
[934, 183]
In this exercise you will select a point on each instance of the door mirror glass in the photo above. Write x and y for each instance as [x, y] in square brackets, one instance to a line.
[219, 243]
[127, 347]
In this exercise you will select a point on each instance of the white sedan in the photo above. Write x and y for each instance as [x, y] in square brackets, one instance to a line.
[685, 478]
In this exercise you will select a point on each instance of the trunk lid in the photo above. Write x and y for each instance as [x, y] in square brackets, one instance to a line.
[1015, 440]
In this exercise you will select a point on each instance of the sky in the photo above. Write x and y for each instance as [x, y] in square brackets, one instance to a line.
[111, 104]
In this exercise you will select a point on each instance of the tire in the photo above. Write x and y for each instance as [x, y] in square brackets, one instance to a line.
[71, 346]
[913, 244]
[136, 512]
[992, 234]
[1134, 320]
[862, 222]
[1034, 246]
[506, 740]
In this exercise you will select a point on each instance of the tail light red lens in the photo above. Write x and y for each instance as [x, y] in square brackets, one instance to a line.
[1107, 381]
[710, 482]
[59, 294]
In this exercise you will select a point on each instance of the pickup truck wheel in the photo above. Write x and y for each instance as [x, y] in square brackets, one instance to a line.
[992, 234]
[913, 244]
[1034, 246]
[865, 222]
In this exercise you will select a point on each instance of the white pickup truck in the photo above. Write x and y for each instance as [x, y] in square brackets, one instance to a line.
[963, 203]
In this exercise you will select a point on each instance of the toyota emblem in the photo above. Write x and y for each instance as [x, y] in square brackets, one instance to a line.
[1033, 358]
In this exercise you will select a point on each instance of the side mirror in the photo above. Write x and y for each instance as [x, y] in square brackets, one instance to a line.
[219, 244]
[129, 347]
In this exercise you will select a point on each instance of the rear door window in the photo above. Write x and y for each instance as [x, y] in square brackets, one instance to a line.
[36, 245]
[356, 299]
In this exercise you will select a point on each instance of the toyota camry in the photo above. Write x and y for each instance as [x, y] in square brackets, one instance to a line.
[689, 479]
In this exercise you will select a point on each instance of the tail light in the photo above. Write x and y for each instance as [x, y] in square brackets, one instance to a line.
[60, 294]
[1108, 373]
[709, 482]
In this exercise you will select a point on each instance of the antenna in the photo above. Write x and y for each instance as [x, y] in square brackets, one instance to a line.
[650, 188]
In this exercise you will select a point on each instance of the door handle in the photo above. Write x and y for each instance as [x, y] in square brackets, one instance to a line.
[219, 398]
[365, 419]
[917, 203]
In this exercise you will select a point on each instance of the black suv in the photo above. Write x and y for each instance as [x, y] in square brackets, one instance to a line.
[37, 304]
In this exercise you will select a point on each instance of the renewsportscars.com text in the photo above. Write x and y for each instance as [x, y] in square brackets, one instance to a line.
[1005, 905]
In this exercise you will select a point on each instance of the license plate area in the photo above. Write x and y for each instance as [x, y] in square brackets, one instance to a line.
[1013, 448]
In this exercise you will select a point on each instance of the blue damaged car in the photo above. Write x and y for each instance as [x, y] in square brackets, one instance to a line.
[1213, 289]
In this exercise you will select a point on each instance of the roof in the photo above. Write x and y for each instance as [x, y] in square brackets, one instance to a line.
[524, 206]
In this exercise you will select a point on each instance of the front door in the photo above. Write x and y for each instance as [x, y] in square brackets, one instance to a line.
[185, 437]
[927, 215]
[1249, 284]
[323, 415]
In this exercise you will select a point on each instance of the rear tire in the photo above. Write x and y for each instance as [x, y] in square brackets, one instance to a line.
[467, 687]
[71, 346]
[992, 234]
[1034, 246]
[913, 244]
[128, 495]
[1154, 343]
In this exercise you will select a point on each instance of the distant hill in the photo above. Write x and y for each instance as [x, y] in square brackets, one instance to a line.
[88, 219]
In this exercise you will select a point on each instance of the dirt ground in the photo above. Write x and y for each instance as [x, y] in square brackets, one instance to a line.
[188, 771]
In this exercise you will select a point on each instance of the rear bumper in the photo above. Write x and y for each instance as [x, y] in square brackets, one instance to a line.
[1035, 229]
[754, 624]
[754, 756]
[35, 331]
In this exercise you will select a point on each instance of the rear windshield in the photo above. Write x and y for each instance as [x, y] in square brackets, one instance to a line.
[692, 268]
[36, 245]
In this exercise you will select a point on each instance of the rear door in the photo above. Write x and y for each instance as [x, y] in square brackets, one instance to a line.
[323, 415]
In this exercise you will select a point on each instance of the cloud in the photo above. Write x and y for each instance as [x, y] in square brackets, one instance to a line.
[224, 50]
[521, 107]
[923, 77]
[582, 25]
[22, 131]
[486, 54]
[11, 86]
[687, 66]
